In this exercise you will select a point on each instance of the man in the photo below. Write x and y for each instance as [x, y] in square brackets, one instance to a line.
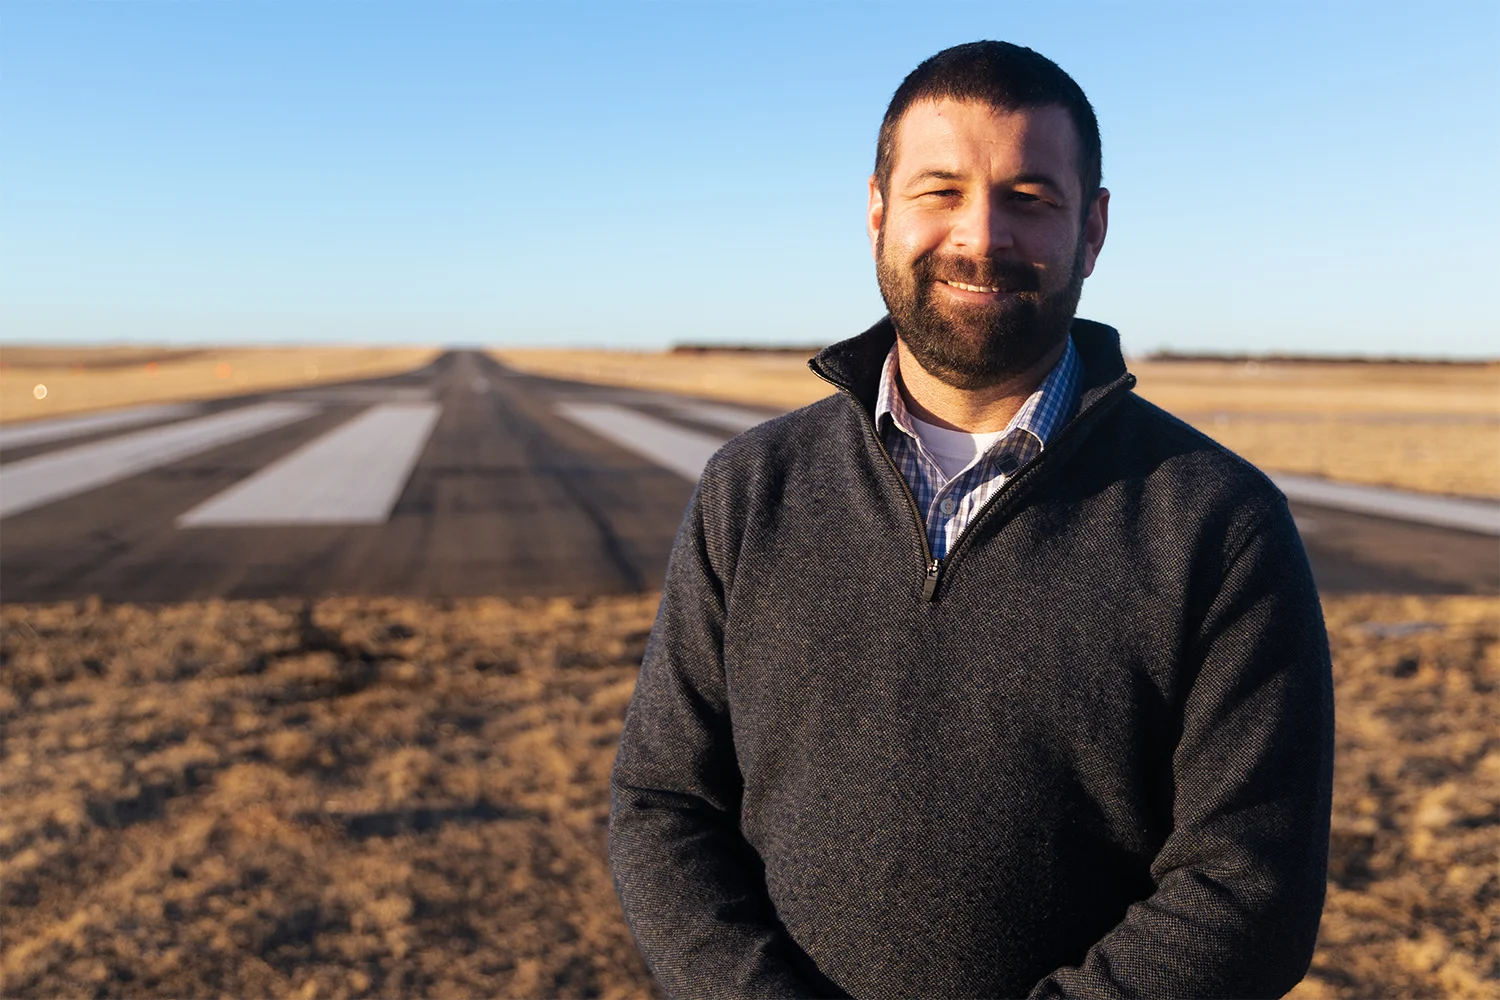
[983, 677]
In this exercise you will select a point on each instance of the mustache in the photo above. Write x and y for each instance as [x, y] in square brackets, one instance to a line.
[1007, 275]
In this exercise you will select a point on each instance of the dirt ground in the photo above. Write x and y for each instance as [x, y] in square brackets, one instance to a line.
[1430, 428]
[386, 797]
[76, 380]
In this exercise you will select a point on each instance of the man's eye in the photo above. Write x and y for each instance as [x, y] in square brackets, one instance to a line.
[943, 193]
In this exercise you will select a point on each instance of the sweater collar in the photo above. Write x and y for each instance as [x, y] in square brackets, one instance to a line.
[1044, 411]
[854, 365]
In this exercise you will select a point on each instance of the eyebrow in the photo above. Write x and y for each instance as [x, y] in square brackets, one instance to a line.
[1046, 180]
[935, 175]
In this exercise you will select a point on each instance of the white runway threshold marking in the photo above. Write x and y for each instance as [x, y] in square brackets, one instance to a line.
[1480, 516]
[354, 474]
[731, 418]
[683, 451]
[62, 428]
[33, 482]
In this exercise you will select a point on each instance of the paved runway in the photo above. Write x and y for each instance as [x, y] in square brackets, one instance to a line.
[460, 479]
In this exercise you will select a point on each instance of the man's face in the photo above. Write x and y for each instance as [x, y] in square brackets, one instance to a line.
[981, 243]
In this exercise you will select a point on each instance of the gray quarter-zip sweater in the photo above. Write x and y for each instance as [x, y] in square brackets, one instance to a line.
[1087, 755]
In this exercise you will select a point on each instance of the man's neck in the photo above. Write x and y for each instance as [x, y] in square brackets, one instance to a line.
[976, 411]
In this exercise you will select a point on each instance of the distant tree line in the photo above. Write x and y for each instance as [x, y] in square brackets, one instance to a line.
[1324, 359]
[1160, 355]
[747, 348]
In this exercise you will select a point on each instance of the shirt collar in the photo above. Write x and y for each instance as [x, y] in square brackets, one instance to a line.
[1044, 411]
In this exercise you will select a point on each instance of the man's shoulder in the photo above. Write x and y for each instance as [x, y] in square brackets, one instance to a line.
[1180, 459]
[801, 454]
[819, 432]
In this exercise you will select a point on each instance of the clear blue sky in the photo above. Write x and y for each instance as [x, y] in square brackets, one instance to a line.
[1315, 177]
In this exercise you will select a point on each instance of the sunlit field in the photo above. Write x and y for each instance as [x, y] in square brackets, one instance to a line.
[37, 382]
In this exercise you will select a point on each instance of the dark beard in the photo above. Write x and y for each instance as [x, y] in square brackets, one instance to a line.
[977, 346]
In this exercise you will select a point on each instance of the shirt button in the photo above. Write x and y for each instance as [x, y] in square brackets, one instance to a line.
[948, 506]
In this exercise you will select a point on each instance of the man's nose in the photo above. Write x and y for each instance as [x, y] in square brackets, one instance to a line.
[981, 228]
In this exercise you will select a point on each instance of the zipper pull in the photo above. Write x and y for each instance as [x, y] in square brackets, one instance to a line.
[929, 586]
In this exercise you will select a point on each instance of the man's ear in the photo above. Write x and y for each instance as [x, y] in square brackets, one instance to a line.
[875, 214]
[1094, 228]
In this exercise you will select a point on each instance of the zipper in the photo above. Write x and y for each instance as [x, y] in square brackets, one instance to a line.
[929, 586]
[933, 571]
[934, 567]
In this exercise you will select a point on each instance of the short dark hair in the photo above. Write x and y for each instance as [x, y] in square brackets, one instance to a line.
[1002, 75]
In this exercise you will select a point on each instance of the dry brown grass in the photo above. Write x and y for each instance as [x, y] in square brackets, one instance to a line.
[372, 798]
[1331, 388]
[1430, 428]
[1414, 889]
[388, 797]
[83, 379]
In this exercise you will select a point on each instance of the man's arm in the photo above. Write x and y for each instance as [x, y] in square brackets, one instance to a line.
[692, 889]
[1240, 881]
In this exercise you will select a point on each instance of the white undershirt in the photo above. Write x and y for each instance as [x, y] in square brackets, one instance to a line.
[953, 451]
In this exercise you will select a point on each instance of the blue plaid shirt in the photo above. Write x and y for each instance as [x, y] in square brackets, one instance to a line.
[948, 505]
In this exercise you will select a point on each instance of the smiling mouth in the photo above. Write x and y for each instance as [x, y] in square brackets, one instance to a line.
[989, 289]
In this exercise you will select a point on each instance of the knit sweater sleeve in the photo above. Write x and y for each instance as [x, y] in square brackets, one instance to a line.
[1240, 879]
[693, 890]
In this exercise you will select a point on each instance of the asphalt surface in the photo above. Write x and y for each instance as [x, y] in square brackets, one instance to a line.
[506, 497]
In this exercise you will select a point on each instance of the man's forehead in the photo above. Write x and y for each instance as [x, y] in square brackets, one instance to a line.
[934, 131]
